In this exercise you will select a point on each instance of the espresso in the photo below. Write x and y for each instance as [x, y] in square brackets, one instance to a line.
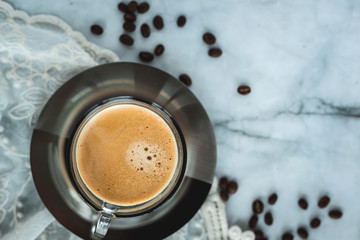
[126, 154]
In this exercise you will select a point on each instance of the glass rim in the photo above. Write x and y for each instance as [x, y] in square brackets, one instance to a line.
[126, 209]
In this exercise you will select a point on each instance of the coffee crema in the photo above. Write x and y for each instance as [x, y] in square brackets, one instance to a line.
[126, 154]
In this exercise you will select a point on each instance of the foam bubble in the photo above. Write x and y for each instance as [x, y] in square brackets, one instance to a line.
[137, 155]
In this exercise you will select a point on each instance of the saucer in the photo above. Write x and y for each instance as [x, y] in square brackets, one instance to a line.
[66, 108]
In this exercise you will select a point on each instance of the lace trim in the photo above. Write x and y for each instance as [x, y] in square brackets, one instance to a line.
[100, 55]
[37, 55]
[214, 214]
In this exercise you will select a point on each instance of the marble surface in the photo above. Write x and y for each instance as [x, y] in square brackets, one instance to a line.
[297, 132]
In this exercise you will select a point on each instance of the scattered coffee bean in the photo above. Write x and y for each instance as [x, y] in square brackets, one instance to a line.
[223, 183]
[323, 202]
[303, 203]
[287, 236]
[258, 234]
[258, 206]
[185, 79]
[145, 30]
[129, 17]
[181, 21]
[158, 22]
[209, 38]
[146, 56]
[303, 233]
[215, 52]
[272, 199]
[126, 39]
[159, 50]
[129, 26]
[268, 218]
[315, 222]
[122, 7]
[335, 214]
[143, 7]
[132, 5]
[244, 90]
[96, 29]
[224, 195]
[253, 221]
[232, 187]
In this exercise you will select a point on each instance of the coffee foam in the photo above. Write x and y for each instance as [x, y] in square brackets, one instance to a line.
[146, 157]
[126, 154]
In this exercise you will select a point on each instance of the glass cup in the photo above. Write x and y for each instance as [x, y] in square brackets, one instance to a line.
[108, 210]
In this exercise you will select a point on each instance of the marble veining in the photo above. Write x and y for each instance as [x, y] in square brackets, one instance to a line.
[297, 132]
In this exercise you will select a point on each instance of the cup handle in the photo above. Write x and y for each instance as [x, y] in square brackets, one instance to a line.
[103, 224]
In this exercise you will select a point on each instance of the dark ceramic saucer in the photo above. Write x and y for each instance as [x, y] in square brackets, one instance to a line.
[65, 109]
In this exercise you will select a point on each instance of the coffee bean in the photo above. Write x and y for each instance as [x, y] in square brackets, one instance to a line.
[315, 223]
[159, 50]
[132, 5]
[335, 214]
[126, 39]
[185, 79]
[287, 236]
[253, 221]
[145, 30]
[122, 7]
[268, 218]
[158, 22]
[303, 203]
[215, 52]
[181, 21]
[146, 56]
[209, 38]
[96, 29]
[129, 17]
[323, 201]
[258, 206]
[272, 199]
[224, 195]
[244, 89]
[129, 26]
[143, 7]
[303, 233]
[232, 187]
[258, 234]
[223, 183]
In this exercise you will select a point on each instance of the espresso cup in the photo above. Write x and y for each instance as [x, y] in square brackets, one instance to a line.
[126, 159]
[89, 185]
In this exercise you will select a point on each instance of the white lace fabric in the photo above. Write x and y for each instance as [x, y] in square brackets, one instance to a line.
[37, 55]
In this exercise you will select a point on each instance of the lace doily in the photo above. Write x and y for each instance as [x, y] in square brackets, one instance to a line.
[37, 55]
